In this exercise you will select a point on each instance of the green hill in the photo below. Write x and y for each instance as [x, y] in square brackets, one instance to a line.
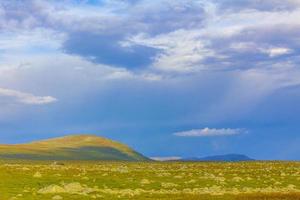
[73, 147]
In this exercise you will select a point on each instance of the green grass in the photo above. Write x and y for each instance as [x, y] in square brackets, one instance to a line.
[149, 180]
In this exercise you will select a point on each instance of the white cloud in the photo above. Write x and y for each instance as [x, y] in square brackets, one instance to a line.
[183, 50]
[26, 98]
[274, 52]
[208, 132]
[171, 158]
[28, 40]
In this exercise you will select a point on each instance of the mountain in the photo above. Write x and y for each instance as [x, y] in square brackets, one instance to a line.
[221, 158]
[72, 147]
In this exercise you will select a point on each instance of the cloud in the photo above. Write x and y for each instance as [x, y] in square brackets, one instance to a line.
[171, 158]
[181, 50]
[209, 132]
[273, 52]
[155, 40]
[266, 5]
[104, 27]
[165, 36]
[26, 98]
[107, 49]
[111, 44]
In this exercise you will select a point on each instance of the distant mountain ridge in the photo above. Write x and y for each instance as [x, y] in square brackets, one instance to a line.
[221, 158]
[72, 147]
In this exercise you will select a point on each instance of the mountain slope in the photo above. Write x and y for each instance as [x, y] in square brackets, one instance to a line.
[222, 158]
[73, 147]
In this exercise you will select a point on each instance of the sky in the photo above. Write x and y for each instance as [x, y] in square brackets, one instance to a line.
[169, 78]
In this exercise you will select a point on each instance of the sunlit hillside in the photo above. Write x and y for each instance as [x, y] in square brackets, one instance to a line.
[74, 147]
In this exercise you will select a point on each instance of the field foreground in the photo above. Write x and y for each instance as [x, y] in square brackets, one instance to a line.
[149, 180]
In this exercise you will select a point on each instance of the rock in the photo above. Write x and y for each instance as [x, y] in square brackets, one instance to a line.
[145, 181]
[37, 175]
[51, 189]
[71, 188]
[57, 197]
[74, 187]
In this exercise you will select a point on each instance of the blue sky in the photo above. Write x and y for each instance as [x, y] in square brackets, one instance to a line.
[169, 77]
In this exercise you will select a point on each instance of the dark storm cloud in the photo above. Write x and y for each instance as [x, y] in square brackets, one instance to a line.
[107, 49]
[105, 46]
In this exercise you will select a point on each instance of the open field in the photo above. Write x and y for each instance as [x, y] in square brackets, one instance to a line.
[149, 180]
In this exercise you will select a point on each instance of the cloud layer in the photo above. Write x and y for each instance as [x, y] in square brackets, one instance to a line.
[209, 132]
[26, 98]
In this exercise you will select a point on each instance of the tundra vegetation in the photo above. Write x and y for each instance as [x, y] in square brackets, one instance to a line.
[148, 180]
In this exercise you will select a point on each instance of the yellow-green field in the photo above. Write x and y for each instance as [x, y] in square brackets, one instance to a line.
[149, 180]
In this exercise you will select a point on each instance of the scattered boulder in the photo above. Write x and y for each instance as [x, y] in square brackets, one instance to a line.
[57, 197]
[74, 188]
[37, 175]
[51, 189]
[70, 188]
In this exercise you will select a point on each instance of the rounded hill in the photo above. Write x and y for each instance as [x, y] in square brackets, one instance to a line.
[72, 147]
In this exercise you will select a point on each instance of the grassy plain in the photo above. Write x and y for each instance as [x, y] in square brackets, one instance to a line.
[149, 180]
